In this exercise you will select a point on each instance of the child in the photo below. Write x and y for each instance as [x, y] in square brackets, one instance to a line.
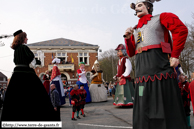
[83, 95]
[75, 101]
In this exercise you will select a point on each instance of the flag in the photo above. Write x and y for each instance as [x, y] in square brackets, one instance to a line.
[72, 60]
[52, 56]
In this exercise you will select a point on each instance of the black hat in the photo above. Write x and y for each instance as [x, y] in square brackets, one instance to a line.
[17, 32]
[81, 85]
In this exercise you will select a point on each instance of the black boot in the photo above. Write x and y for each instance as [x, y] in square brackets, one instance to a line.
[73, 119]
[78, 117]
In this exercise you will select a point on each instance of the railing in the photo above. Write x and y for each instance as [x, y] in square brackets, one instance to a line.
[62, 67]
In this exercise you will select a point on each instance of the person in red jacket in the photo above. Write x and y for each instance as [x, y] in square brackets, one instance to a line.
[75, 101]
[83, 95]
[185, 93]
[46, 83]
[157, 101]
[191, 87]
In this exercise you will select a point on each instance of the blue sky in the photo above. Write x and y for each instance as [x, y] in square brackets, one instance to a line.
[99, 22]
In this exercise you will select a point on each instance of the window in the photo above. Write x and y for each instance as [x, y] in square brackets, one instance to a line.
[39, 55]
[83, 57]
[63, 56]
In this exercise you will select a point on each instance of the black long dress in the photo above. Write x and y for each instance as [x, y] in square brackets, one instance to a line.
[158, 103]
[26, 98]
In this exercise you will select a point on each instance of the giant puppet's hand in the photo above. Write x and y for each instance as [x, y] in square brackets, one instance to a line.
[115, 77]
[174, 62]
[119, 79]
[96, 74]
[129, 31]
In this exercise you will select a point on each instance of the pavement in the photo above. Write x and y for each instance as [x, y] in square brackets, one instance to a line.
[102, 115]
[99, 116]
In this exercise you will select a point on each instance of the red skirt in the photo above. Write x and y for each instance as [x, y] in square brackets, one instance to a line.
[47, 85]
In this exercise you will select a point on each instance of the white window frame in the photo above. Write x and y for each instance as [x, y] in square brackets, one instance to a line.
[88, 57]
[38, 56]
[88, 77]
[62, 55]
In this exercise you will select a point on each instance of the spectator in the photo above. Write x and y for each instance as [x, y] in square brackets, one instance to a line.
[69, 91]
[65, 90]
[191, 87]
[110, 90]
[113, 92]
[55, 99]
[1, 97]
[4, 92]
[185, 93]
[46, 83]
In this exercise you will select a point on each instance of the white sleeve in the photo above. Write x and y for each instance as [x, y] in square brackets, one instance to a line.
[80, 74]
[33, 63]
[92, 76]
[117, 69]
[102, 77]
[128, 68]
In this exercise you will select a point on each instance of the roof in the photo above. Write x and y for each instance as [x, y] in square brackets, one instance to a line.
[61, 42]
[2, 75]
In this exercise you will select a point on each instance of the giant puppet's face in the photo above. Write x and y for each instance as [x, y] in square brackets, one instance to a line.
[141, 9]
[97, 67]
[82, 66]
[119, 53]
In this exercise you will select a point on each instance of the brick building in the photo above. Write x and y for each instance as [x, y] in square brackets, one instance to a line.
[70, 52]
[3, 80]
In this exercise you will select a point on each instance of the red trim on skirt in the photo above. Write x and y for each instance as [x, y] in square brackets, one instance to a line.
[121, 104]
[141, 79]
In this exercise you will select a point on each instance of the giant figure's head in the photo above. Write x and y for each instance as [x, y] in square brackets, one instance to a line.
[96, 66]
[143, 7]
[82, 65]
[121, 50]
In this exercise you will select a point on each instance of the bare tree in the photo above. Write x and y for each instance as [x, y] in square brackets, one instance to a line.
[108, 62]
[187, 55]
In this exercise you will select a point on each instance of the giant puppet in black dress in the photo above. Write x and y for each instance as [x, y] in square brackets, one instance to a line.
[26, 98]
[157, 102]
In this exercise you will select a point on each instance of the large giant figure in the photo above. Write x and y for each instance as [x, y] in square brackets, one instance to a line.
[97, 89]
[124, 90]
[82, 80]
[26, 98]
[158, 102]
[56, 79]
